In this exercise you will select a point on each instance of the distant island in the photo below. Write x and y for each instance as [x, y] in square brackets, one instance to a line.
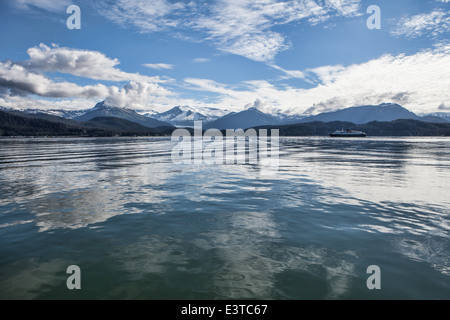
[108, 121]
[396, 128]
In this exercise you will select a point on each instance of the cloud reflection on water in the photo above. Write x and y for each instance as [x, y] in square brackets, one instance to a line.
[226, 231]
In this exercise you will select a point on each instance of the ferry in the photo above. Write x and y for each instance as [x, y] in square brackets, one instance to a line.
[348, 133]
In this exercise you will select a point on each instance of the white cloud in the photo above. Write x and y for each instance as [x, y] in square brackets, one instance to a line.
[201, 60]
[158, 66]
[244, 27]
[240, 27]
[443, 107]
[419, 82]
[290, 73]
[209, 86]
[429, 24]
[146, 16]
[345, 8]
[134, 94]
[49, 5]
[89, 64]
[20, 81]
[26, 78]
[137, 99]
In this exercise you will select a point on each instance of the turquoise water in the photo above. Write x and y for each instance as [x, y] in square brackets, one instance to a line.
[141, 227]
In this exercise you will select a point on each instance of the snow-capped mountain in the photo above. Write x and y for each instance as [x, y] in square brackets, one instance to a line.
[177, 116]
[148, 113]
[185, 116]
[385, 112]
[67, 114]
[443, 115]
[101, 109]
[364, 114]
[289, 119]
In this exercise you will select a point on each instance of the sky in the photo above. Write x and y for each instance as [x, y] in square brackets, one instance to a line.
[295, 57]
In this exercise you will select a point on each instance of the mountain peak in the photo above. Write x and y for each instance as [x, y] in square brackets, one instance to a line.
[389, 105]
[253, 109]
[101, 109]
[251, 117]
[102, 105]
[384, 112]
[176, 108]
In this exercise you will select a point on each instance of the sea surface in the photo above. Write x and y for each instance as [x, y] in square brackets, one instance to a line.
[141, 227]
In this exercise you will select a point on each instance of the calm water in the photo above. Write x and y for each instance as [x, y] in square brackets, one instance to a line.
[141, 227]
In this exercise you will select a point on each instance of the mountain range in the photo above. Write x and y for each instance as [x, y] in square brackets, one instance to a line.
[223, 119]
[185, 116]
[101, 109]
[115, 120]
[442, 115]
[384, 112]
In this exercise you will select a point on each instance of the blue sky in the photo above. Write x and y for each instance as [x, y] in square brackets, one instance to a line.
[292, 56]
